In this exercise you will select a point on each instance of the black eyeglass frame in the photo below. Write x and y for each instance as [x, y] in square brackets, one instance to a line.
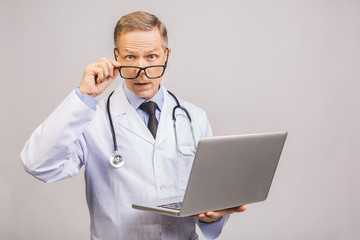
[144, 69]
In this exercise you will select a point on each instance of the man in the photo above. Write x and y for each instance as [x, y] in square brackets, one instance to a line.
[78, 133]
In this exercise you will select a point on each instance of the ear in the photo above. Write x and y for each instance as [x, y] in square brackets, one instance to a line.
[116, 53]
[169, 49]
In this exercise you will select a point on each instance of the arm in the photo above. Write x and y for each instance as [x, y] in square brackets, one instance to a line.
[57, 149]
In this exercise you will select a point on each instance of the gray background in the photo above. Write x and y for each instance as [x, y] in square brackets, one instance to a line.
[252, 65]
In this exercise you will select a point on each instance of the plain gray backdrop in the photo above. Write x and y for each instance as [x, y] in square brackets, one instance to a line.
[254, 66]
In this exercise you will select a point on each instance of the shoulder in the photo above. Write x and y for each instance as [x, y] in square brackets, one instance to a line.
[196, 113]
[118, 99]
[198, 117]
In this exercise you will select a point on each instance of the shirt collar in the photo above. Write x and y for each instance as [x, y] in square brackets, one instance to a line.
[136, 101]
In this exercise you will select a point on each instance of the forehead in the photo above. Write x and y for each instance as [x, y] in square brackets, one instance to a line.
[139, 40]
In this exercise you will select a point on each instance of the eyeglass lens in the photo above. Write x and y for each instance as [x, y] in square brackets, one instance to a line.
[150, 72]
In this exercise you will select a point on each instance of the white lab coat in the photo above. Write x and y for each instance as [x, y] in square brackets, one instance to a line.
[75, 135]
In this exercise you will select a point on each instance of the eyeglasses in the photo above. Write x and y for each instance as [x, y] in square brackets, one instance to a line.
[151, 72]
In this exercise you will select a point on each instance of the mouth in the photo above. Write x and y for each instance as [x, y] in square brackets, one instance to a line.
[141, 84]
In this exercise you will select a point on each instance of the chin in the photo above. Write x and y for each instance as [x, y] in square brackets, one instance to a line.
[145, 94]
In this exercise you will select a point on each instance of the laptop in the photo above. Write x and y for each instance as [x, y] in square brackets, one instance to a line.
[227, 171]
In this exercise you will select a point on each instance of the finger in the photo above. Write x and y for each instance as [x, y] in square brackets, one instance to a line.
[241, 208]
[99, 74]
[115, 63]
[215, 214]
[109, 66]
[211, 214]
[91, 70]
[220, 213]
[116, 72]
[104, 68]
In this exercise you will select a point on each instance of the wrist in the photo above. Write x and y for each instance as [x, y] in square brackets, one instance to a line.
[88, 100]
[211, 221]
[86, 93]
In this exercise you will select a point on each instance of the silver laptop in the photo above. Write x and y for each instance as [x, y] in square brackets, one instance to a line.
[227, 171]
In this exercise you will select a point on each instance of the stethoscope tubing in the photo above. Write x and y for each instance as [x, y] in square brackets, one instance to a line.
[111, 122]
[116, 160]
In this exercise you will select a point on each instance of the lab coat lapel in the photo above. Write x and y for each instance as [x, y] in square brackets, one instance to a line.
[124, 114]
[165, 124]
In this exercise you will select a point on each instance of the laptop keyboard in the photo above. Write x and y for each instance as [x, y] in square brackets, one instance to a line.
[173, 206]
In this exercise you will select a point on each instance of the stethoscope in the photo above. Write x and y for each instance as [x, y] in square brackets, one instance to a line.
[117, 160]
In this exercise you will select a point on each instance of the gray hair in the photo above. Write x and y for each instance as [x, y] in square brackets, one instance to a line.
[140, 21]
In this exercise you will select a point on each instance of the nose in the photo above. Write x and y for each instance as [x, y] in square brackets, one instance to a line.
[142, 73]
[142, 63]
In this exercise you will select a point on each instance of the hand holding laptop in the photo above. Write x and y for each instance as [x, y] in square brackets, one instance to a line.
[213, 216]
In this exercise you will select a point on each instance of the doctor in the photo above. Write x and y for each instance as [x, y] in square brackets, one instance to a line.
[78, 133]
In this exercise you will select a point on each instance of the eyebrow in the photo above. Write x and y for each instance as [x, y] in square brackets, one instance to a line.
[153, 50]
[147, 51]
[128, 51]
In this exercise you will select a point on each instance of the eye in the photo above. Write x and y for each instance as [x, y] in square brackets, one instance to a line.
[129, 57]
[152, 56]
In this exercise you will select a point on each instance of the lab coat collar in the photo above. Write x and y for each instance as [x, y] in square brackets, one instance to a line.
[123, 113]
[165, 123]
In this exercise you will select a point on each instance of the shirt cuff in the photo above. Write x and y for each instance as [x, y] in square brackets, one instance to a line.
[201, 223]
[213, 230]
[89, 101]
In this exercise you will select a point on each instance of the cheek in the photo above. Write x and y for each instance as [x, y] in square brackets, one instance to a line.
[156, 84]
[128, 84]
[157, 81]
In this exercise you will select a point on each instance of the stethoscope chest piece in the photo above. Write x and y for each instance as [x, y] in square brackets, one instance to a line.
[116, 160]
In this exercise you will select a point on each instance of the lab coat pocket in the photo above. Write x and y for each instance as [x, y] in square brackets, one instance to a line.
[185, 164]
